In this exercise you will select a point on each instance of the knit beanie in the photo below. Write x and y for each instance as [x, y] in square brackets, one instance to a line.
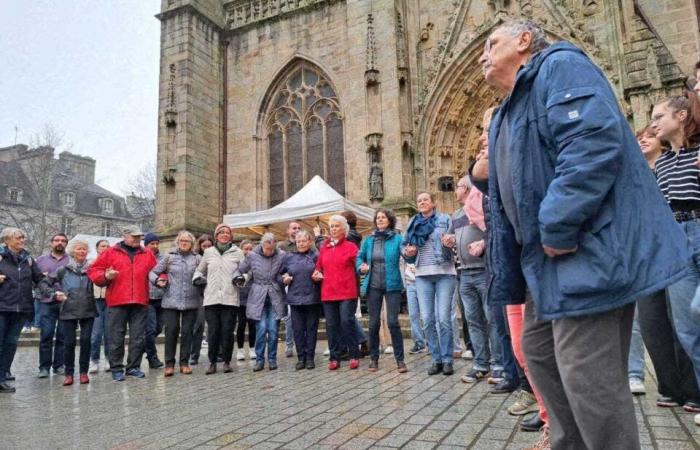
[220, 227]
[150, 237]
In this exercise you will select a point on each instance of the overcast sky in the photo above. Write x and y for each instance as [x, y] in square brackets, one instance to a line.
[89, 68]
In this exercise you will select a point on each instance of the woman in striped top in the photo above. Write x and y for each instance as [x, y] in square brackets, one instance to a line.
[676, 121]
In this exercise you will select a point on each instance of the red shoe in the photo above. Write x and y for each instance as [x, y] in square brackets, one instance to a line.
[68, 380]
[354, 363]
[333, 365]
[84, 379]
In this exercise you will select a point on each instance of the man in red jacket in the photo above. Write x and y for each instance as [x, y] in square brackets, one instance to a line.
[124, 269]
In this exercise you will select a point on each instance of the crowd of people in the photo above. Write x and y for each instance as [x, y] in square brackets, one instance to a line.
[566, 223]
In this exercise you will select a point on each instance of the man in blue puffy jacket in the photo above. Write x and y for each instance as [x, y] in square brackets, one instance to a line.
[580, 230]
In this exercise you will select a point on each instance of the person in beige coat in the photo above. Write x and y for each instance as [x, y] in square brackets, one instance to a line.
[221, 300]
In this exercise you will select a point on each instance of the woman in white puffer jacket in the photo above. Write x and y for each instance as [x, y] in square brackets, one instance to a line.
[221, 300]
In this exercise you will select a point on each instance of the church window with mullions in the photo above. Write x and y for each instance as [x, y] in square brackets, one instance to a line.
[304, 133]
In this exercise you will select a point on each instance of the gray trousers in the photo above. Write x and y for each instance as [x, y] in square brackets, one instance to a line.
[579, 366]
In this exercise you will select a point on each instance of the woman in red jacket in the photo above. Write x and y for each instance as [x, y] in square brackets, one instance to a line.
[336, 269]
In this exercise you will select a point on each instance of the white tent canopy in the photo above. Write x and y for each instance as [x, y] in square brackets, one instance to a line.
[312, 204]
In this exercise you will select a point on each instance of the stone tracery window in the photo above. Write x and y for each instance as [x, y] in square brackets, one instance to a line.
[304, 133]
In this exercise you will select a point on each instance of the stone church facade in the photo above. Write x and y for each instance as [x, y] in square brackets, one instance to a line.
[382, 98]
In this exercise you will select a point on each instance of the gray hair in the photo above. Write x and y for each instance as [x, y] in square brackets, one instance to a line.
[185, 233]
[303, 233]
[342, 221]
[72, 245]
[517, 26]
[10, 232]
[268, 237]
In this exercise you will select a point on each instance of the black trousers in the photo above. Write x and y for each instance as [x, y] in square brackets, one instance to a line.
[240, 329]
[117, 319]
[305, 320]
[69, 336]
[340, 327]
[673, 367]
[198, 334]
[221, 322]
[393, 305]
[178, 324]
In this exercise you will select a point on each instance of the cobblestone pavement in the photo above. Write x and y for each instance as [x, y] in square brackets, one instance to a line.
[285, 409]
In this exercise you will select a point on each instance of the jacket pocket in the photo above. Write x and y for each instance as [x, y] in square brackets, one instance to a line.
[572, 112]
[597, 265]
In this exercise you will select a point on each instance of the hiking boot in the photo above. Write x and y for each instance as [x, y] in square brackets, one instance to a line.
[525, 403]
[447, 369]
[435, 369]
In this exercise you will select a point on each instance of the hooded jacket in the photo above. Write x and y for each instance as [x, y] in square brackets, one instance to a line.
[21, 274]
[579, 180]
[263, 279]
[73, 281]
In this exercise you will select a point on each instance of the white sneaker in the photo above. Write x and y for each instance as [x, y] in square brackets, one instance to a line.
[467, 354]
[389, 350]
[327, 352]
[251, 354]
[637, 386]
[94, 367]
[205, 344]
[697, 419]
[240, 356]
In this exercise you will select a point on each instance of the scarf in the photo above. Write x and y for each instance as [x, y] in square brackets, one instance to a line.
[223, 247]
[385, 234]
[474, 210]
[420, 229]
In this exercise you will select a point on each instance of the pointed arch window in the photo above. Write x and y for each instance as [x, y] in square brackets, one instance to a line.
[304, 131]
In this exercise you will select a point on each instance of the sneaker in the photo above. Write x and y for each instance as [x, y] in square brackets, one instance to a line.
[435, 369]
[240, 355]
[155, 364]
[474, 375]
[456, 354]
[401, 367]
[525, 403]
[310, 365]
[354, 363]
[637, 386]
[251, 354]
[696, 419]
[289, 352]
[43, 373]
[416, 349]
[496, 377]
[666, 402]
[205, 344]
[447, 369]
[373, 365]
[258, 367]
[300, 365]
[117, 375]
[327, 352]
[272, 365]
[136, 373]
[9, 376]
[35, 329]
[389, 350]
[467, 354]
[364, 350]
[6, 388]
[59, 370]
[504, 387]
[691, 407]
[26, 330]
[94, 367]
[194, 361]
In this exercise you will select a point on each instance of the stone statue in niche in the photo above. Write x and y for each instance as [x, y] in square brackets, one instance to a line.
[376, 181]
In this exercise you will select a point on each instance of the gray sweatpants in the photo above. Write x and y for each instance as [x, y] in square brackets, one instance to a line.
[579, 366]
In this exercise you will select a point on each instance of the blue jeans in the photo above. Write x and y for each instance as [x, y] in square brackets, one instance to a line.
[266, 335]
[510, 365]
[488, 349]
[435, 302]
[414, 314]
[10, 328]
[680, 296]
[50, 351]
[99, 331]
[37, 314]
[456, 322]
[288, 329]
[635, 362]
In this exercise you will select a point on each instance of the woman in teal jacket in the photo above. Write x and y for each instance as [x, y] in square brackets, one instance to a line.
[379, 260]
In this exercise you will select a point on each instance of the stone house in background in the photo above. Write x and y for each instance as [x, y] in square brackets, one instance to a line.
[43, 195]
[380, 97]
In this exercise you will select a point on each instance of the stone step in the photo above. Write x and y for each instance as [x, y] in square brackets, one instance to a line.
[31, 339]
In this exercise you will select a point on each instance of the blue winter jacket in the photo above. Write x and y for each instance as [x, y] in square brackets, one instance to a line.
[392, 258]
[579, 180]
[302, 290]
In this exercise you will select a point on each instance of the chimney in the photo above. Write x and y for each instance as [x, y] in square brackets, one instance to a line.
[83, 166]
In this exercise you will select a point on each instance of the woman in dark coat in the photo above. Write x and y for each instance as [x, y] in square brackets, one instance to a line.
[18, 274]
[247, 247]
[304, 297]
[74, 290]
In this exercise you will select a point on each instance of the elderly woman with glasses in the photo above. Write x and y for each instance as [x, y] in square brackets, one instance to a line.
[181, 300]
